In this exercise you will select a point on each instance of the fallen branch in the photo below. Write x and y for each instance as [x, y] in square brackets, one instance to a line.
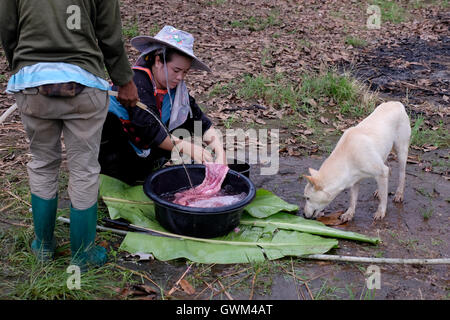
[207, 286]
[15, 223]
[253, 283]
[8, 112]
[376, 260]
[18, 198]
[309, 291]
[232, 284]
[138, 274]
[225, 291]
[6, 207]
[179, 280]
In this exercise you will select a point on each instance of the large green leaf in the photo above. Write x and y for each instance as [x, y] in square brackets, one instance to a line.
[127, 202]
[293, 222]
[250, 244]
[266, 204]
[278, 235]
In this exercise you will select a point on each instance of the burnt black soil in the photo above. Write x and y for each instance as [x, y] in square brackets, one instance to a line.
[413, 70]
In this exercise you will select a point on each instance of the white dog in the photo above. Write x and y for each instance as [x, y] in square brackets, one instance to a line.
[360, 153]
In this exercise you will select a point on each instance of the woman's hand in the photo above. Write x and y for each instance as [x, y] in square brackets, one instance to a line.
[195, 152]
[213, 139]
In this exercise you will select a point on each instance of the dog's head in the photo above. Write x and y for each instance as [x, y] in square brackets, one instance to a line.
[316, 199]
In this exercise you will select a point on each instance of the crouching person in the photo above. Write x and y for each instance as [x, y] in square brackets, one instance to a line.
[134, 143]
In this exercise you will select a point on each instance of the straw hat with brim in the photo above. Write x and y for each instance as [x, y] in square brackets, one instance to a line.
[172, 38]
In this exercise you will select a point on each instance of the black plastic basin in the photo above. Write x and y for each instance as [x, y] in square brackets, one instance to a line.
[196, 222]
[241, 167]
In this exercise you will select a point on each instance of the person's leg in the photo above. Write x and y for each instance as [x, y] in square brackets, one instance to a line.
[82, 132]
[45, 146]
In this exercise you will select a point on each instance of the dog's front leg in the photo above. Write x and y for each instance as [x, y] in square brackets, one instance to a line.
[348, 215]
[402, 155]
[382, 182]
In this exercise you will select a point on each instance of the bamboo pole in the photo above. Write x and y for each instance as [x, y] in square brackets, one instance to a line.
[101, 228]
[376, 260]
[328, 257]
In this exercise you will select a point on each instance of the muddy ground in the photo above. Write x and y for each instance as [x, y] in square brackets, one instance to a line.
[406, 232]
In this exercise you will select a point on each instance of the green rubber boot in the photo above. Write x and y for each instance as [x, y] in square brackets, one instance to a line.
[44, 215]
[83, 225]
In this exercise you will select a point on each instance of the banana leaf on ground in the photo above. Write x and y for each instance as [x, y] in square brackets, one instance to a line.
[268, 230]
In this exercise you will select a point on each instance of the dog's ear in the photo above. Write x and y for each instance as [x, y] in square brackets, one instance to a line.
[313, 172]
[313, 182]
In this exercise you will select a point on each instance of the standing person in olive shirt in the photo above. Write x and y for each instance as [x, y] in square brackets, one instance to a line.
[57, 51]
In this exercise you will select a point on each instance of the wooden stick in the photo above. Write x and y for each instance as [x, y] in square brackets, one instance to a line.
[237, 272]
[208, 267]
[9, 111]
[138, 274]
[18, 198]
[178, 282]
[309, 291]
[207, 286]
[6, 207]
[297, 287]
[232, 284]
[225, 291]
[253, 284]
[15, 224]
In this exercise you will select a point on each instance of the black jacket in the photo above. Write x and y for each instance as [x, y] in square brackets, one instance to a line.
[143, 130]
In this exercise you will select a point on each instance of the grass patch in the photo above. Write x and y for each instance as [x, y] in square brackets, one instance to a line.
[352, 98]
[276, 91]
[325, 88]
[422, 135]
[215, 3]
[314, 103]
[254, 23]
[26, 278]
[222, 89]
[391, 11]
[355, 42]
[427, 213]
[420, 4]
[23, 277]
[131, 29]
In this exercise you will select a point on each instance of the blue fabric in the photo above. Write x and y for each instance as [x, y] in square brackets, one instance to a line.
[117, 109]
[166, 108]
[53, 72]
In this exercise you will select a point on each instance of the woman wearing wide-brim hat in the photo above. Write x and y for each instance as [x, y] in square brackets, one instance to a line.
[133, 141]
